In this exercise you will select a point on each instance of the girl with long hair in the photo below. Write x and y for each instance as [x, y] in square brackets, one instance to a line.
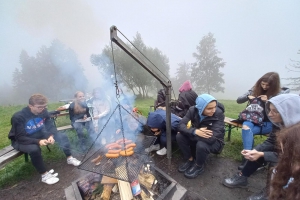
[286, 177]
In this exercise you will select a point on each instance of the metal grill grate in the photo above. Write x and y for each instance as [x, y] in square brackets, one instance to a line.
[121, 168]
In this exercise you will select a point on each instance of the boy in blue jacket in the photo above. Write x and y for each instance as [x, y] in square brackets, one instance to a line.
[157, 122]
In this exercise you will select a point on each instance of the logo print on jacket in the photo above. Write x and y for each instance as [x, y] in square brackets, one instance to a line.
[34, 125]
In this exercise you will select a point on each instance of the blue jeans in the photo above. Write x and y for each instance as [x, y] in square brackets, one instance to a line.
[248, 134]
[79, 126]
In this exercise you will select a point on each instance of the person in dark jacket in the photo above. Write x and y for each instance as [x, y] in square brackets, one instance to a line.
[206, 134]
[187, 98]
[157, 122]
[81, 118]
[283, 111]
[32, 128]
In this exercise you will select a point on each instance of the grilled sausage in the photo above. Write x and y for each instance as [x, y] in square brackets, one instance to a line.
[130, 145]
[126, 153]
[112, 155]
[114, 151]
[115, 146]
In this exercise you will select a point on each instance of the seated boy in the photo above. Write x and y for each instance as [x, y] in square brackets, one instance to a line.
[206, 134]
[157, 122]
[32, 128]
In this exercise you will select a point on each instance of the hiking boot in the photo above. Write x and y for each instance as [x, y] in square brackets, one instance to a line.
[262, 195]
[238, 180]
[194, 171]
[49, 178]
[152, 148]
[162, 152]
[73, 161]
[183, 167]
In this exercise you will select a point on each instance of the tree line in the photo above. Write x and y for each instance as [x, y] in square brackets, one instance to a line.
[56, 71]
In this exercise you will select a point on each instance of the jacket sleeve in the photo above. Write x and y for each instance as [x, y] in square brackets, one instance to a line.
[71, 112]
[50, 128]
[18, 127]
[184, 121]
[218, 129]
[268, 147]
[106, 111]
[244, 97]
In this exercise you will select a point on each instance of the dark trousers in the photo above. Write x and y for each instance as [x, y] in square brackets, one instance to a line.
[162, 139]
[198, 149]
[251, 166]
[35, 153]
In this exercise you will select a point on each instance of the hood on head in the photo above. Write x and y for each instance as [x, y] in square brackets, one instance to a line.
[186, 86]
[288, 106]
[156, 119]
[202, 101]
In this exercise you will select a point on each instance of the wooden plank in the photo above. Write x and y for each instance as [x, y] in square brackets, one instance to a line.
[106, 179]
[9, 156]
[62, 128]
[6, 150]
[125, 190]
[228, 120]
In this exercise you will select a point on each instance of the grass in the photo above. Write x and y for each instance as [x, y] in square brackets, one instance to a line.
[18, 169]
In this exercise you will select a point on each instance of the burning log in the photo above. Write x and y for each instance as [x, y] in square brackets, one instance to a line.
[106, 192]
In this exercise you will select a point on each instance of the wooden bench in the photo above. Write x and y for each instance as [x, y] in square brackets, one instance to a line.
[229, 125]
[8, 154]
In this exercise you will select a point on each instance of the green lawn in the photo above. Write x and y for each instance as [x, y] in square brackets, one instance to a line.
[18, 169]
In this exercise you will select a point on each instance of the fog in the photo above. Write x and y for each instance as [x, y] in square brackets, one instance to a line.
[253, 37]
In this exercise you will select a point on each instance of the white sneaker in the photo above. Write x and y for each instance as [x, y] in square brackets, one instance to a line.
[51, 171]
[152, 148]
[162, 152]
[49, 178]
[73, 161]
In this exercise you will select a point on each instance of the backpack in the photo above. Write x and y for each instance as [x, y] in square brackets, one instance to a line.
[253, 112]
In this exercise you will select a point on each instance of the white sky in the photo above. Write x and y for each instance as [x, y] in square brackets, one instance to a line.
[254, 37]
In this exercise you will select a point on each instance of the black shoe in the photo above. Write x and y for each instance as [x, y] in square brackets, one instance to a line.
[236, 181]
[194, 171]
[262, 195]
[183, 167]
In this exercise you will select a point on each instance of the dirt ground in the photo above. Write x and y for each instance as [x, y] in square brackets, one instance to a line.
[207, 186]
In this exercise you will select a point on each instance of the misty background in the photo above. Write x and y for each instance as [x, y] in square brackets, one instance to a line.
[252, 37]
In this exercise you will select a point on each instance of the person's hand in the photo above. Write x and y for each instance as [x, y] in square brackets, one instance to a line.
[252, 155]
[96, 117]
[204, 132]
[118, 131]
[84, 117]
[251, 97]
[263, 98]
[51, 140]
[157, 133]
[43, 142]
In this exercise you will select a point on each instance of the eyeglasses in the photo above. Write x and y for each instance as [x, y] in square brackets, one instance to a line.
[41, 107]
[274, 112]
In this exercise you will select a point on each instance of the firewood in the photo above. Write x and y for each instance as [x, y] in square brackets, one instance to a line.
[147, 180]
[106, 192]
[124, 187]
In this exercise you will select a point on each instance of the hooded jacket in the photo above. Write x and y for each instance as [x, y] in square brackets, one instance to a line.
[157, 119]
[288, 106]
[28, 127]
[187, 97]
[198, 120]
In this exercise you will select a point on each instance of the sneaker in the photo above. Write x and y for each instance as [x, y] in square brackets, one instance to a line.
[152, 148]
[49, 178]
[162, 152]
[238, 180]
[183, 167]
[262, 195]
[194, 171]
[51, 171]
[73, 161]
